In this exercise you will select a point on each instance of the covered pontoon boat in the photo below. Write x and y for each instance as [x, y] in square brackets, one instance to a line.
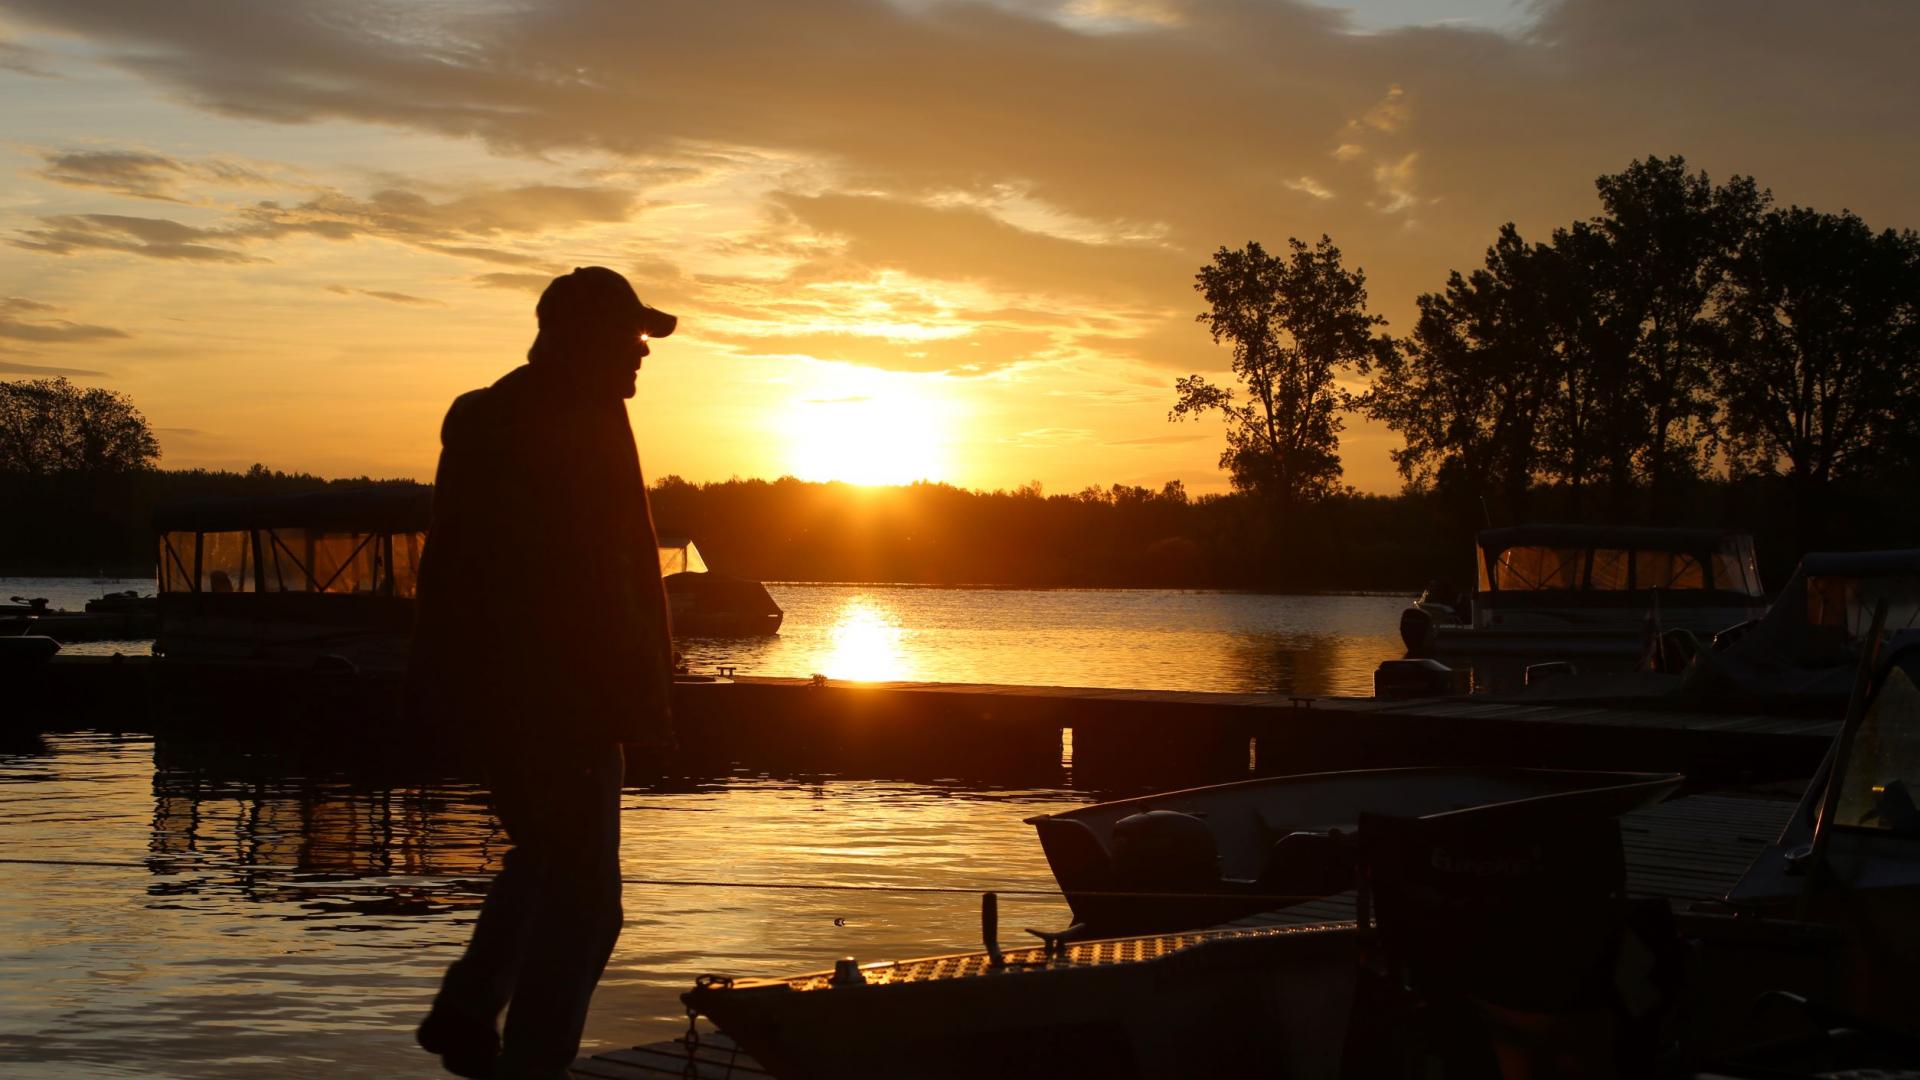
[1589, 593]
[292, 578]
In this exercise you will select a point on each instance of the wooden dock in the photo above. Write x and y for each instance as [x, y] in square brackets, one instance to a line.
[1085, 737]
[1115, 738]
[1685, 851]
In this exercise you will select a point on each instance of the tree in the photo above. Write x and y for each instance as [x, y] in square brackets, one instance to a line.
[50, 426]
[1468, 389]
[1583, 361]
[1294, 323]
[1816, 348]
[1668, 238]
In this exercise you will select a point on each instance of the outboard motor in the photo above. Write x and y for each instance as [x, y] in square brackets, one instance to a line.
[1401, 679]
[1419, 631]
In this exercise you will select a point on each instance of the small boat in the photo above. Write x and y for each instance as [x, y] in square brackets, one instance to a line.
[125, 602]
[34, 616]
[1242, 1002]
[1206, 855]
[1514, 903]
[703, 603]
[1585, 594]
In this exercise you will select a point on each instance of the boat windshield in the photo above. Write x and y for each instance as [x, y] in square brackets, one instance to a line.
[282, 560]
[1881, 783]
[679, 556]
[1624, 562]
[1842, 605]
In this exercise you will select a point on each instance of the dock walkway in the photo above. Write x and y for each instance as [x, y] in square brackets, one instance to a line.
[1684, 850]
[1111, 739]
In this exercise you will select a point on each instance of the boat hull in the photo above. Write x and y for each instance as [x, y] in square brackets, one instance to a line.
[1269, 1002]
[1278, 842]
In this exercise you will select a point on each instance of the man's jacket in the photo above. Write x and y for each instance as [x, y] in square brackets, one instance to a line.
[542, 617]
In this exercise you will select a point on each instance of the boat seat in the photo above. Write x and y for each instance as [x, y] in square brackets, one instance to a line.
[1164, 849]
[1305, 863]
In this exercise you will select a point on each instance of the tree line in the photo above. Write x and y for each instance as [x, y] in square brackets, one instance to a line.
[1691, 335]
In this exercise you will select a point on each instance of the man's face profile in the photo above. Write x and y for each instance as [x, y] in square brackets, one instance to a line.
[614, 351]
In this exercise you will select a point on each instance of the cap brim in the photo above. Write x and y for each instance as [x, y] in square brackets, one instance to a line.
[655, 323]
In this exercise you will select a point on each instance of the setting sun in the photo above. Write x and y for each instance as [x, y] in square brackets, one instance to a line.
[885, 432]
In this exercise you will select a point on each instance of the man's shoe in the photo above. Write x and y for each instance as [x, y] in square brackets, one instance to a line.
[468, 1045]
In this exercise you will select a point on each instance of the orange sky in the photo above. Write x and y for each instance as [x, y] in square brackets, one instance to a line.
[907, 238]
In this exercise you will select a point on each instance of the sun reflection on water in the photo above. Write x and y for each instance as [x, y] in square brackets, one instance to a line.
[867, 643]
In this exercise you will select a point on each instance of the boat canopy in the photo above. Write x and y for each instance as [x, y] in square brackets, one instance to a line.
[1538, 558]
[679, 556]
[363, 540]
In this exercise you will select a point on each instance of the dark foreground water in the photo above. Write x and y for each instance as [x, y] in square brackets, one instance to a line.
[239, 914]
[236, 919]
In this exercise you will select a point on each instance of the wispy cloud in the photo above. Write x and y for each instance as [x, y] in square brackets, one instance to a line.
[46, 371]
[1167, 440]
[25, 60]
[141, 174]
[153, 238]
[524, 282]
[23, 319]
[389, 297]
[462, 224]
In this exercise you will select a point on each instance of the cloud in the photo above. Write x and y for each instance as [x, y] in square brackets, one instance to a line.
[1166, 440]
[24, 60]
[46, 371]
[525, 282]
[1307, 185]
[1051, 436]
[153, 238]
[449, 224]
[958, 349]
[140, 174]
[399, 214]
[894, 127]
[484, 254]
[389, 297]
[971, 244]
[23, 319]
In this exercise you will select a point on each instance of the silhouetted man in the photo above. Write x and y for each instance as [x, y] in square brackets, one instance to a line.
[542, 643]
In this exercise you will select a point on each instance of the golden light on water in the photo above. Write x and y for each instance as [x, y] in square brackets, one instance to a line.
[867, 644]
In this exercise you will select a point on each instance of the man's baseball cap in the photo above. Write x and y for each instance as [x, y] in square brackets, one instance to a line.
[593, 294]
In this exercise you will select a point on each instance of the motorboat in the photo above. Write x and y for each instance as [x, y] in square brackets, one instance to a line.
[1201, 856]
[1586, 594]
[1800, 658]
[704, 603]
[1805, 650]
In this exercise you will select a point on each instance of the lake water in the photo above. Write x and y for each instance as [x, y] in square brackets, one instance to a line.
[202, 911]
[1161, 639]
